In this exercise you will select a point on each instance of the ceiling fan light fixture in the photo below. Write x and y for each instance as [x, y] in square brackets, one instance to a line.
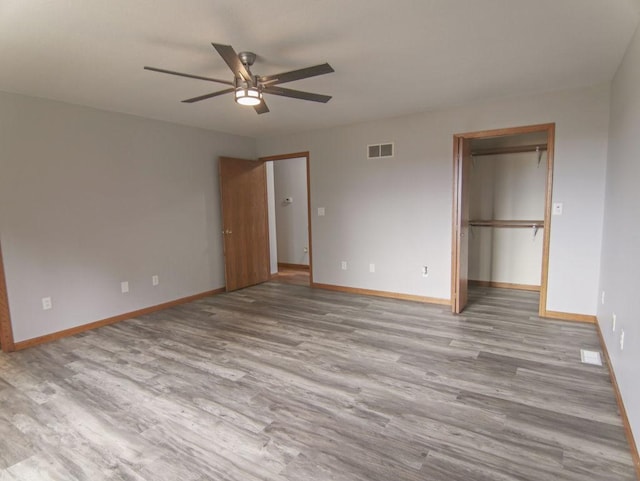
[248, 96]
[248, 88]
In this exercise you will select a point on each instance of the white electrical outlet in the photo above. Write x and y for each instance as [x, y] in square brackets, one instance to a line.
[46, 303]
[613, 322]
[320, 211]
[425, 271]
[372, 267]
[602, 297]
[557, 208]
[343, 265]
[155, 280]
[622, 339]
[124, 287]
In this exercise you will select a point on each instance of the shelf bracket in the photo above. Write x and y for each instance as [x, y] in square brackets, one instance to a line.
[535, 230]
[539, 152]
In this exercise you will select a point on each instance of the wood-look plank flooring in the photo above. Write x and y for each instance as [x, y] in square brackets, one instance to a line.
[297, 277]
[283, 382]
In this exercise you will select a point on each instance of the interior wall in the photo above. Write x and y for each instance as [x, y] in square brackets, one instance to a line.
[89, 199]
[396, 212]
[507, 187]
[621, 242]
[290, 181]
[506, 255]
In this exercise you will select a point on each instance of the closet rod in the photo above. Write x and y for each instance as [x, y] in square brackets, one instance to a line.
[507, 223]
[509, 150]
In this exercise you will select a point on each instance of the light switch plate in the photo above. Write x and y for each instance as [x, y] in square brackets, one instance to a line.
[320, 211]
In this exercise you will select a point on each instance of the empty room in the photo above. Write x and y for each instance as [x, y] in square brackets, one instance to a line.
[319, 240]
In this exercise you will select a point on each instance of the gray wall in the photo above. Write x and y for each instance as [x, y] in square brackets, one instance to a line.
[396, 212]
[621, 243]
[90, 198]
[290, 180]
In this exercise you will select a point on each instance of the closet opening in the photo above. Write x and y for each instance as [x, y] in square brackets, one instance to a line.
[502, 202]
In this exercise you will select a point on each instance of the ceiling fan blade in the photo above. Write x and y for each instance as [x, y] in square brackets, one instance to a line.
[297, 74]
[296, 94]
[208, 96]
[230, 56]
[188, 75]
[261, 108]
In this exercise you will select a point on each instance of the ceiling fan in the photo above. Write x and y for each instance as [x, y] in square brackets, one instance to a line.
[248, 89]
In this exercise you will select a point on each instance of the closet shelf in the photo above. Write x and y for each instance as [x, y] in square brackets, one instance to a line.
[538, 224]
[510, 150]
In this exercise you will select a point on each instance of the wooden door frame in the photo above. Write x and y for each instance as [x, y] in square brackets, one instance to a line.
[296, 155]
[550, 130]
[6, 331]
[458, 232]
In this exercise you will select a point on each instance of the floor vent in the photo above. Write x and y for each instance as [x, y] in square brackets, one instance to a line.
[590, 357]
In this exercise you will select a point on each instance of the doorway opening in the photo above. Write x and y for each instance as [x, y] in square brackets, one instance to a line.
[290, 222]
[247, 232]
[502, 210]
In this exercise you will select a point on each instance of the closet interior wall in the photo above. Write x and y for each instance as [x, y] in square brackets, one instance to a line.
[507, 204]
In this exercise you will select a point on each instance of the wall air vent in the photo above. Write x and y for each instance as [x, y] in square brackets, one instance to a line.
[377, 151]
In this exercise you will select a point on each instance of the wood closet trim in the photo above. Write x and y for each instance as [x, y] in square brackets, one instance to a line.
[296, 155]
[550, 129]
[6, 331]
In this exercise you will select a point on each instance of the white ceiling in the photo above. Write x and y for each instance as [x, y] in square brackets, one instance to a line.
[391, 57]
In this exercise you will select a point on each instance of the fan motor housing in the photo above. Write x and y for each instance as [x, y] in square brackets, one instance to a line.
[247, 58]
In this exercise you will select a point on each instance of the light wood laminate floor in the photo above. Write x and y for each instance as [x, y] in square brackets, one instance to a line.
[282, 382]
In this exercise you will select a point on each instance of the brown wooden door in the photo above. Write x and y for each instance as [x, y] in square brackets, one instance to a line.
[245, 222]
[6, 334]
[461, 274]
